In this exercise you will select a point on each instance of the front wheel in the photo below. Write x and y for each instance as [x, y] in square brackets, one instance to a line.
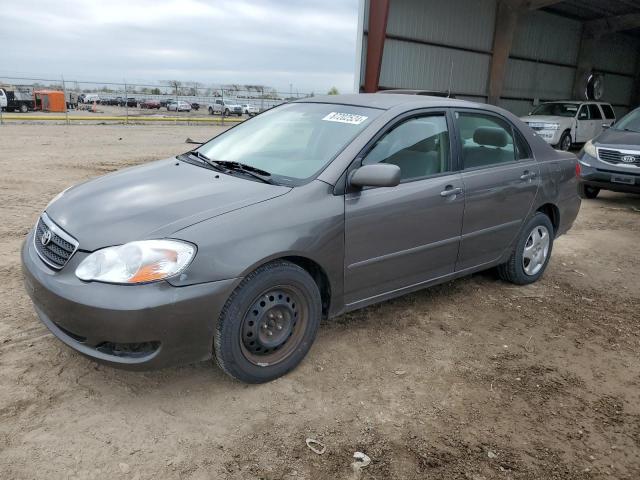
[268, 324]
[565, 141]
[210, 111]
[587, 191]
[531, 255]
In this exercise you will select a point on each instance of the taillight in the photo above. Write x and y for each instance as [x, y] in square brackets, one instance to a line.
[578, 169]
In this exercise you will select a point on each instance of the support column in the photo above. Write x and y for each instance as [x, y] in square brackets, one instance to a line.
[588, 45]
[507, 14]
[377, 32]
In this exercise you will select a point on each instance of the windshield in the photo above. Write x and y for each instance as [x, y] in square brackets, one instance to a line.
[557, 109]
[294, 140]
[631, 121]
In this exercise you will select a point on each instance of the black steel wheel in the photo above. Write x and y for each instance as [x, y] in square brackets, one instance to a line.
[269, 323]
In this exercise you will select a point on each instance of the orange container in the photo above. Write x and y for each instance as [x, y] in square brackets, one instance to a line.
[49, 100]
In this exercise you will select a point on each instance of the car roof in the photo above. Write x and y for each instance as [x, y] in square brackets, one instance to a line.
[577, 102]
[386, 102]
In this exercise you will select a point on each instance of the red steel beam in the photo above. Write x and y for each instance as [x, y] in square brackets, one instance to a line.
[378, 14]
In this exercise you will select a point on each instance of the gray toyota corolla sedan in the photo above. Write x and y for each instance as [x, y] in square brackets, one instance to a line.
[237, 249]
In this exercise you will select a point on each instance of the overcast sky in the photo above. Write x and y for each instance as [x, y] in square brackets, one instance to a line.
[309, 43]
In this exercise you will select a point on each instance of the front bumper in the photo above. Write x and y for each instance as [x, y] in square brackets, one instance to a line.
[595, 173]
[129, 326]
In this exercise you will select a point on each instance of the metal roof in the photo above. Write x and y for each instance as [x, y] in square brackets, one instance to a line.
[386, 102]
[585, 10]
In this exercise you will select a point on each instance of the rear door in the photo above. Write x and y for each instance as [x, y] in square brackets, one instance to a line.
[595, 120]
[500, 179]
[405, 235]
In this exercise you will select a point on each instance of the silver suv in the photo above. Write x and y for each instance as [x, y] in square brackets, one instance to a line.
[611, 161]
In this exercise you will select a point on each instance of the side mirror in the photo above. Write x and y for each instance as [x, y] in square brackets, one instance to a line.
[605, 126]
[529, 113]
[376, 175]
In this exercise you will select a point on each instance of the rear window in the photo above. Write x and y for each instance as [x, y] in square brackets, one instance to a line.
[594, 112]
[609, 114]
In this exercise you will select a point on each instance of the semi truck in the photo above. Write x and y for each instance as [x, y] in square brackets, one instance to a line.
[18, 99]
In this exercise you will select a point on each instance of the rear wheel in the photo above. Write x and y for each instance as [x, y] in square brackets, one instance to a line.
[226, 112]
[24, 108]
[268, 324]
[531, 255]
[587, 191]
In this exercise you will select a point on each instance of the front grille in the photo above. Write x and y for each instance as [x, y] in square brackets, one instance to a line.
[54, 246]
[618, 156]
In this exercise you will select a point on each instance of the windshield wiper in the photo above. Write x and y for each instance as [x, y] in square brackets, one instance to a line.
[629, 130]
[227, 166]
[254, 172]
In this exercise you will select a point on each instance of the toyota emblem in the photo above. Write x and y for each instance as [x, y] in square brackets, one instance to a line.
[45, 239]
[628, 159]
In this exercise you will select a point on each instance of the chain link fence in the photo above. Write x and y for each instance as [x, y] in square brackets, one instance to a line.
[34, 99]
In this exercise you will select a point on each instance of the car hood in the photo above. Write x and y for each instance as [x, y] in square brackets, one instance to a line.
[152, 201]
[618, 139]
[544, 119]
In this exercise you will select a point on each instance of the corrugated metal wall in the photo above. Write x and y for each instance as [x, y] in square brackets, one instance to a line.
[429, 39]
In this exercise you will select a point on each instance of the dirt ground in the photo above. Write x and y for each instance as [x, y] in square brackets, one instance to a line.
[475, 379]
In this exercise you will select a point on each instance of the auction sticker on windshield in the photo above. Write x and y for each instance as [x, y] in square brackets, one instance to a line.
[345, 118]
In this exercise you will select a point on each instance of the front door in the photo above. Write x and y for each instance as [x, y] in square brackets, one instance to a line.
[500, 180]
[409, 234]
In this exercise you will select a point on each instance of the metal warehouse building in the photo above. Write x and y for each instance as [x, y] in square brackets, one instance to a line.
[511, 53]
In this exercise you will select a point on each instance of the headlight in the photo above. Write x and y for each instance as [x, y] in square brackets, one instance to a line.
[551, 126]
[590, 149]
[136, 262]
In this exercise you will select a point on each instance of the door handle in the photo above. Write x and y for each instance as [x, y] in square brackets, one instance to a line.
[527, 175]
[450, 191]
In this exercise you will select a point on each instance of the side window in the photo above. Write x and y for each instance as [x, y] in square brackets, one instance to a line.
[609, 114]
[523, 151]
[583, 114]
[594, 112]
[485, 140]
[419, 146]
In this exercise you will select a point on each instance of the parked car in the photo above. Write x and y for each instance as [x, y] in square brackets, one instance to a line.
[249, 109]
[611, 161]
[150, 104]
[239, 248]
[565, 123]
[90, 98]
[226, 108]
[166, 101]
[179, 106]
[127, 102]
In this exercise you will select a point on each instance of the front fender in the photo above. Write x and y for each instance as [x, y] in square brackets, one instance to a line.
[307, 222]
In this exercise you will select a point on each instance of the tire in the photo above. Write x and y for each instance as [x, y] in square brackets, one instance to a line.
[24, 108]
[587, 191]
[250, 343]
[226, 112]
[210, 111]
[565, 141]
[523, 269]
